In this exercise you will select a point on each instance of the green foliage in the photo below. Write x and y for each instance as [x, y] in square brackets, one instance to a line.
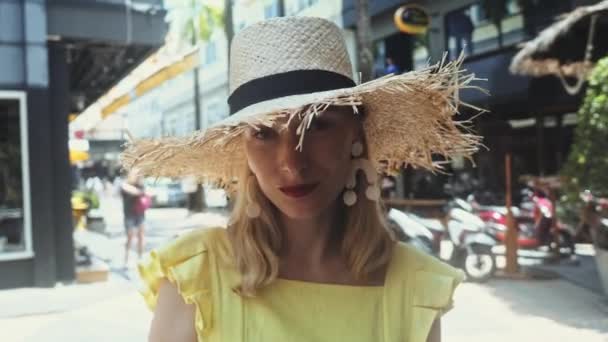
[587, 165]
[191, 21]
[88, 197]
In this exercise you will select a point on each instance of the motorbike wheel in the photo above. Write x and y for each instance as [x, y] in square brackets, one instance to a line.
[565, 240]
[479, 267]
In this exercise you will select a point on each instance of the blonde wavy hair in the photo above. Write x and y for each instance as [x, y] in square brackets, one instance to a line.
[365, 241]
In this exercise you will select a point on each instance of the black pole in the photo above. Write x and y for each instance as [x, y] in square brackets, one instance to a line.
[197, 105]
[540, 144]
[197, 201]
[280, 8]
[228, 27]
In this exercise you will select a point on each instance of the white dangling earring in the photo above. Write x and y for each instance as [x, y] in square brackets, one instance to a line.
[372, 192]
[253, 209]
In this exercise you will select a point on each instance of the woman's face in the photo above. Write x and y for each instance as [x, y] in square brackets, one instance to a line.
[303, 184]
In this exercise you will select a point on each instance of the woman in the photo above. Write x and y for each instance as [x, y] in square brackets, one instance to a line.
[306, 255]
[131, 191]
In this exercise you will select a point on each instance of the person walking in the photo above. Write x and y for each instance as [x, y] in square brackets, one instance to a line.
[135, 203]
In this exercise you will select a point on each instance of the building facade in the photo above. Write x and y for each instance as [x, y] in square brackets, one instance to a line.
[57, 56]
[531, 118]
[169, 108]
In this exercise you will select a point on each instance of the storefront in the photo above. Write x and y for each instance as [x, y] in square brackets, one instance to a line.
[51, 66]
[531, 118]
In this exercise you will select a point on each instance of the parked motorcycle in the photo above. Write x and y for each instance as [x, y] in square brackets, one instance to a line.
[472, 245]
[472, 248]
[533, 233]
[410, 231]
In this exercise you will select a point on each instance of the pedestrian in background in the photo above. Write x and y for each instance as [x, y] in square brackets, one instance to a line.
[391, 67]
[306, 254]
[135, 202]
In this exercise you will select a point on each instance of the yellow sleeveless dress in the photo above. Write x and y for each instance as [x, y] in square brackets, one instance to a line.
[418, 289]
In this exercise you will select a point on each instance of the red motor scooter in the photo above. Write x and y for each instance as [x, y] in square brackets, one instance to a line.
[534, 222]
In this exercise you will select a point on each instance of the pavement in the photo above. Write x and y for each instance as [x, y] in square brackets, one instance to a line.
[581, 272]
[526, 310]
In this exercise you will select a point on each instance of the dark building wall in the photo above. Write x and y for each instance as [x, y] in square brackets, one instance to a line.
[24, 54]
[61, 172]
[41, 184]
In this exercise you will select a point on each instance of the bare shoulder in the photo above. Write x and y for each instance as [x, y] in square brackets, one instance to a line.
[435, 333]
[173, 318]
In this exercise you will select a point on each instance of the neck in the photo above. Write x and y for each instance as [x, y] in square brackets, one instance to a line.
[311, 241]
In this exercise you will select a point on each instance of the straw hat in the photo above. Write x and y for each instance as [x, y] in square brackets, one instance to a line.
[298, 66]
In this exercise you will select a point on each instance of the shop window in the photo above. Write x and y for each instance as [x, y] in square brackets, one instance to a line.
[214, 113]
[15, 217]
[300, 5]
[421, 52]
[472, 31]
[400, 52]
[271, 10]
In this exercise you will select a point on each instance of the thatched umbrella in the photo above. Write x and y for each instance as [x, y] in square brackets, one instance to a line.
[568, 48]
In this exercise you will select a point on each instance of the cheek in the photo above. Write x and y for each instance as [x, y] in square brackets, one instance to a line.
[333, 158]
[258, 162]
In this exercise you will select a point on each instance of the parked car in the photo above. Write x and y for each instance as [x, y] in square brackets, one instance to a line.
[165, 192]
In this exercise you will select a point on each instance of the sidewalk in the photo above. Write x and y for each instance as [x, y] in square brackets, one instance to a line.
[581, 272]
[109, 311]
[163, 219]
[23, 302]
[526, 311]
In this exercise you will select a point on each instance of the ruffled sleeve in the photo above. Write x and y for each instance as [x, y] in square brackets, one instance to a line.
[419, 291]
[185, 263]
[435, 283]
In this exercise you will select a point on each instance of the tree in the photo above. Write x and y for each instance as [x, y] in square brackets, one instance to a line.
[496, 11]
[190, 22]
[587, 164]
[364, 41]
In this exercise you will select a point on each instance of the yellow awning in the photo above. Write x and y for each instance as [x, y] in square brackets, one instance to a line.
[164, 74]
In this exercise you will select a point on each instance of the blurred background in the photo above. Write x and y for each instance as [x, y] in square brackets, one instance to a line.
[526, 218]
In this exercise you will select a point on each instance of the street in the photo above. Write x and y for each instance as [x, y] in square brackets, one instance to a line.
[501, 310]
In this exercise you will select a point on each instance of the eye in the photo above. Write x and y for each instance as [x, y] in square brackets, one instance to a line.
[320, 124]
[263, 133]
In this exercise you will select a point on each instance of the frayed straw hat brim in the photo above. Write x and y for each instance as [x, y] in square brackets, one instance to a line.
[409, 121]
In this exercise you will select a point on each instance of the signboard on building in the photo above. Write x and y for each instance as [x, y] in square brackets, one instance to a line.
[412, 19]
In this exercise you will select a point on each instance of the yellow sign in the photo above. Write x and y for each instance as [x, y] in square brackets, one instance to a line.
[78, 156]
[412, 19]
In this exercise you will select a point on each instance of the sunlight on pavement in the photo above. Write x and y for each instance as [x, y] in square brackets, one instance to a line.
[522, 311]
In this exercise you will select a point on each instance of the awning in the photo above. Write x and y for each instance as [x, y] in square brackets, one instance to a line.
[568, 48]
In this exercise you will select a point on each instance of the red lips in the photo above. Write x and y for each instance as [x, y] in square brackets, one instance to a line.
[299, 190]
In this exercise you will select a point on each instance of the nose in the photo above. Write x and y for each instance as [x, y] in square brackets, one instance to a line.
[292, 161]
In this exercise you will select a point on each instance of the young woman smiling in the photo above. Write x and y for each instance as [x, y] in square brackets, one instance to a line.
[306, 255]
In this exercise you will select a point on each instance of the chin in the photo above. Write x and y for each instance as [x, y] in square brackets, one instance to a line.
[302, 209]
